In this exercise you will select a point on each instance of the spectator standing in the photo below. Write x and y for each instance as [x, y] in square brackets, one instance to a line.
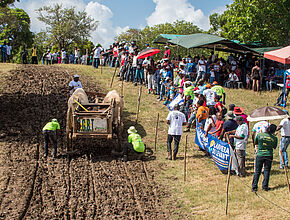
[266, 142]
[4, 53]
[201, 69]
[34, 55]
[77, 56]
[8, 50]
[175, 120]
[24, 55]
[229, 126]
[210, 95]
[238, 111]
[259, 127]
[63, 56]
[97, 54]
[201, 113]
[284, 126]
[256, 76]
[240, 142]
[166, 53]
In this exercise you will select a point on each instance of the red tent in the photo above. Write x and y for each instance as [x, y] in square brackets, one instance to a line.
[281, 55]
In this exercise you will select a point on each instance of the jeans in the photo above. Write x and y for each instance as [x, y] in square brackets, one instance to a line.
[139, 75]
[158, 87]
[267, 162]
[76, 60]
[211, 79]
[3, 58]
[269, 85]
[241, 158]
[176, 143]
[52, 136]
[162, 91]
[283, 147]
[191, 119]
[200, 75]
[96, 62]
[129, 74]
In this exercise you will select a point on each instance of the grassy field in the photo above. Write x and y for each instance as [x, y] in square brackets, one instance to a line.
[202, 196]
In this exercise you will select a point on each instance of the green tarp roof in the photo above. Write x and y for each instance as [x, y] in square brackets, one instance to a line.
[210, 41]
[262, 50]
[164, 38]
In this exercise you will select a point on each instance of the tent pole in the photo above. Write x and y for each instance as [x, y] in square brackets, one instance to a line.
[214, 49]
[263, 68]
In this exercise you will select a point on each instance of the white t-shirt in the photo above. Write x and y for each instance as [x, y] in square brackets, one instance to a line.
[242, 130]
[212, 74]
[209, 121]
[285, 130]
[209, 95]
[176, 119]
[75, 86]
[134, 64]
[201, 65]
[8, 50]
[97, 52]
[77, 53]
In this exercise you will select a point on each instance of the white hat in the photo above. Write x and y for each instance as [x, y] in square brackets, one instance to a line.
[131, 130]
[76, 76]
[197, 91]
[54, 120]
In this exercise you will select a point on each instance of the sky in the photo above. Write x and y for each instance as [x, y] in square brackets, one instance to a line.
[117, 16]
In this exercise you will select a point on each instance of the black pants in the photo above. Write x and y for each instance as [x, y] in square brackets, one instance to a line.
[267, 162]
[129, 147]
[34, 60]
[176, 142]
[52, 136]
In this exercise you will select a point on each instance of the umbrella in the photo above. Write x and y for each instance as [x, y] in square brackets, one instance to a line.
[148, 52]
[267, 113]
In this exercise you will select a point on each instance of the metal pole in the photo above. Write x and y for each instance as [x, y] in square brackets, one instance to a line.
[156, 132]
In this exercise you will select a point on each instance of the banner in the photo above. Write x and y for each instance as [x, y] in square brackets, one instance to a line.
[177, 100]
[284, 98]
[218, 150]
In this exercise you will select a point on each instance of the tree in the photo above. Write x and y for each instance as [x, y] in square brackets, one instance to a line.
[265, 21]
[4, 3]
[65, 25]
[149, 33]
[15, 27]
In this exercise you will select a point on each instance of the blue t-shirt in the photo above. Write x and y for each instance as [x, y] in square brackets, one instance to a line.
[190, 67]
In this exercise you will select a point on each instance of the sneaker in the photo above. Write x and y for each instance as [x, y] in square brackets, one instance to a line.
[266, 189]
[187, 130]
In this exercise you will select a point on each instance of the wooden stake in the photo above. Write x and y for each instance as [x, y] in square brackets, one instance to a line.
[156, 132]
[228, 183]
[185, 149]
[138, 105]
[122, 89]
[101, 67]
[285, 169]
[112, 80]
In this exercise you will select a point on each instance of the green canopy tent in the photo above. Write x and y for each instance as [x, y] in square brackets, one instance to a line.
[210, 42]
[164, 38]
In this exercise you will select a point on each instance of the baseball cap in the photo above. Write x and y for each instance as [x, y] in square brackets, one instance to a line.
[76, 76]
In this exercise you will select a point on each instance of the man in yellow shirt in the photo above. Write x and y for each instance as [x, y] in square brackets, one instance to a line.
[50, 132]
[135, 143]
[34, 56]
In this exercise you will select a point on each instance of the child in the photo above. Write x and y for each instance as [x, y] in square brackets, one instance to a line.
[169, 91]
[219, 125]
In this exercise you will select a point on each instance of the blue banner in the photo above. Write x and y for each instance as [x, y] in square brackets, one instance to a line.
[218, 150]
[177, 100]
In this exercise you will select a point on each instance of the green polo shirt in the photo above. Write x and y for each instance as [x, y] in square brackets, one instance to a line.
[51, 126]
[136, 140]
[266, 142]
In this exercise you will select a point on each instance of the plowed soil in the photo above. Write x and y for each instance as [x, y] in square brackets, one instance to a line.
[86, 185]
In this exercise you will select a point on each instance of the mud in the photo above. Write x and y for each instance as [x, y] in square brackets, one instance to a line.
[87, 185]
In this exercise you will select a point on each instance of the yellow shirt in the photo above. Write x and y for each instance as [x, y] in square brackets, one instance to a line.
[34, 52]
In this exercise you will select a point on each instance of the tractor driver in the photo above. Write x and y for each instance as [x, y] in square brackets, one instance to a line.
[74, 84]
[135, 143]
